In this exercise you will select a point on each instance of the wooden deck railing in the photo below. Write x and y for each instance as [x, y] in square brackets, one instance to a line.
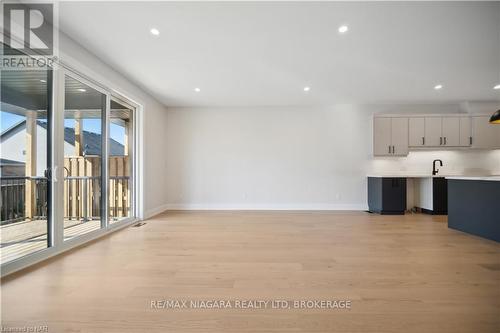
[81, 198]
[13, 198]
[82, 191]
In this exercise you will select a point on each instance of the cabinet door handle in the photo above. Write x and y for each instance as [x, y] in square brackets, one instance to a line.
[445, 141]
[440, 140]
[470, 140]
[393, 150]
[423, 141]
[389, 149]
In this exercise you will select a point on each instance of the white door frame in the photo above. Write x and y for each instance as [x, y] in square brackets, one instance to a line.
[56, 224]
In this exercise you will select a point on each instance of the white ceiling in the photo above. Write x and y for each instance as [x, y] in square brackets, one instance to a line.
[245, 54]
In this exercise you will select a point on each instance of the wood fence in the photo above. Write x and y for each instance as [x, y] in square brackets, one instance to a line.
[82, 187]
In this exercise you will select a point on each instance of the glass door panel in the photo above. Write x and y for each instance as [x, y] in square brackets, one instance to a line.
[84, 116]
[25, 148]
[120, 145]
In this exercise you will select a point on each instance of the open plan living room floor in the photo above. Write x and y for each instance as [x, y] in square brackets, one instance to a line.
[398, 274]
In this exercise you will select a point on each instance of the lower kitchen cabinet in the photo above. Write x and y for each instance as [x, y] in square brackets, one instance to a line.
[387, 195]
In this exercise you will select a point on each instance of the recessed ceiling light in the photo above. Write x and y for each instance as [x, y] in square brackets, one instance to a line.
[438, 86]
[497, 87]
[81, 90]
[306, 89]
[343, 29]
[154, 31]
[197, 89]
[43, 81]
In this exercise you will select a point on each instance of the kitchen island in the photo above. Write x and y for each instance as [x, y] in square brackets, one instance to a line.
[474, 205]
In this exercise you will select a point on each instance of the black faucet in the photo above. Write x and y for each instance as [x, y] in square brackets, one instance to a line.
[434, 171]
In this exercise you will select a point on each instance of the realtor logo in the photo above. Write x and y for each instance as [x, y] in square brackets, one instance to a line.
[28, 29]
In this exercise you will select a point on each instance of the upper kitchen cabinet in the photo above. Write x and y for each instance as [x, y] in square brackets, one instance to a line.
[382, 144]
[433, 132]
[439, 131]
[390, 136]
[442, 131]
[399, 136]
[416, 131]
[465, 139]
[484, 134]
[450, 131]
[395, 135]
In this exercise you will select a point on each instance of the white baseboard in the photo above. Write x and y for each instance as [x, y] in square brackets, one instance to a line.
[155, 211]
[266, 207]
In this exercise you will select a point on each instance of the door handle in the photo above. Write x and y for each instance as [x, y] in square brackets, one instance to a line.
[445, 141]
[440, 140]
[389, 149]
[423, 141]
[50, 174]
[470, 140]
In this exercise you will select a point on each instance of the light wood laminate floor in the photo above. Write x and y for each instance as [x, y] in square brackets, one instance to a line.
[402, 273]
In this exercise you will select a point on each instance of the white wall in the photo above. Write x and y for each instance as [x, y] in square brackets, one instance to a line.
[152, 120]
[287, 157]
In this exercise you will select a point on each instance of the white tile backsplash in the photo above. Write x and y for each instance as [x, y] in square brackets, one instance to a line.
[459, 162]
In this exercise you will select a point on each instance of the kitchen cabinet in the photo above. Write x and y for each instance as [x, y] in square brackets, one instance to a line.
[396, 135]
[484, 134]
[433, 132]
[441, 132]
[399, 136]
[382, 144]
[416, 132]
[465, 139]
[387, 195]
[450, 131]
[390, 136]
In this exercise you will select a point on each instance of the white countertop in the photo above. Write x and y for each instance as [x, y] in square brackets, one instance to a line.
[409, 175]
[426, 175]
[488, 178]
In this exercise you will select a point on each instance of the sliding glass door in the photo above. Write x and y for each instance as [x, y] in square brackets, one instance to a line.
[67, 162]
[121, 156]
[84, 116]
[25, 162]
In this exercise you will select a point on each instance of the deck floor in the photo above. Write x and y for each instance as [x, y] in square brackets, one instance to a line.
[26, 237]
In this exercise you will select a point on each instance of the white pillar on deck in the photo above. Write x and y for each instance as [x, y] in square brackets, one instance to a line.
[30, 171]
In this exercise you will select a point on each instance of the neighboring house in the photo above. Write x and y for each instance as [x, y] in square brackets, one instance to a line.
[13, 147]
[9, 168]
